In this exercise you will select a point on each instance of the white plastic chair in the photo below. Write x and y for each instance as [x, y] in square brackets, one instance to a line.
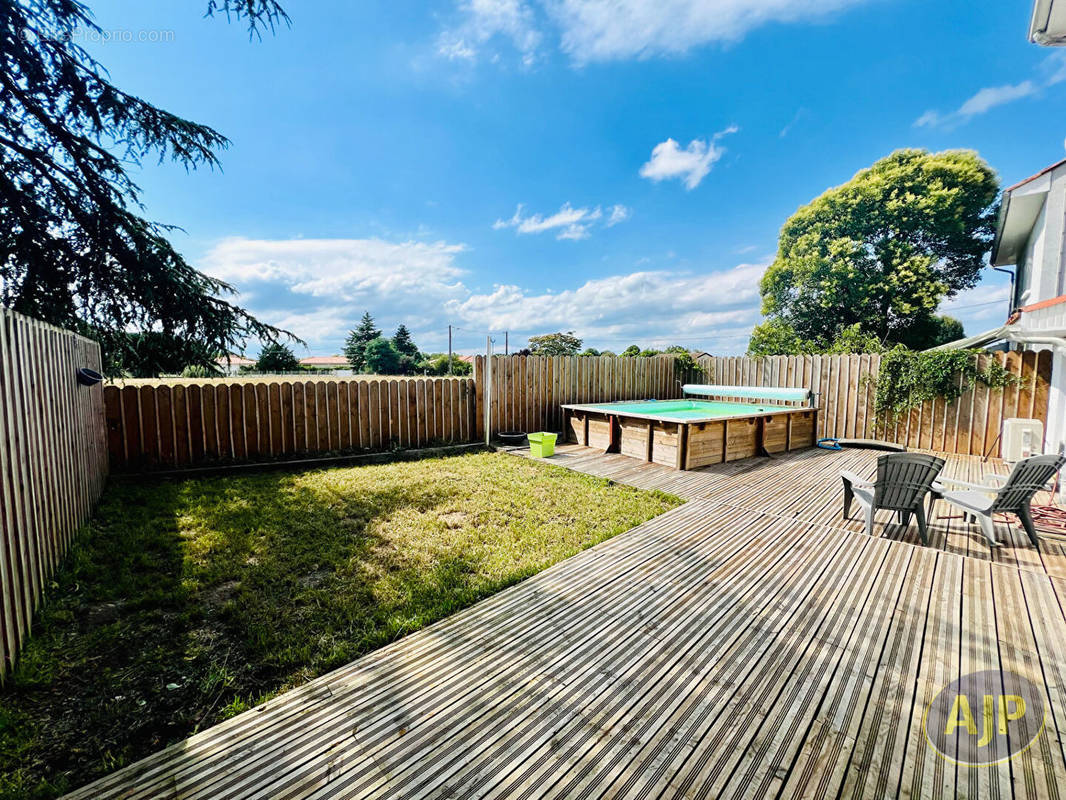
[1028, 477]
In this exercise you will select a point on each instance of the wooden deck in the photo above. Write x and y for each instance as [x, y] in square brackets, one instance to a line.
[805, 485]
[745, 644]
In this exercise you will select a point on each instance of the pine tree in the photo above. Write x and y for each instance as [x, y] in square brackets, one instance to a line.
[410, 356]
[276, 357]
[358, 339]
[74, 248]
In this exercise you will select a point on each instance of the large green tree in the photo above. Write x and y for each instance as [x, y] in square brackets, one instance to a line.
[355, 344]
[75, 249]
[382, 357]
[882, 251]
[555, 344]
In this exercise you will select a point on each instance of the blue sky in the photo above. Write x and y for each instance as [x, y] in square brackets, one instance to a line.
[619, 168]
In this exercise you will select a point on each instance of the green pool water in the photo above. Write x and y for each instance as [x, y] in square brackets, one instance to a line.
[683, 410]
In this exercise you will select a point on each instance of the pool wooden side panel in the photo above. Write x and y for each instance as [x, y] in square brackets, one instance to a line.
[690, 445]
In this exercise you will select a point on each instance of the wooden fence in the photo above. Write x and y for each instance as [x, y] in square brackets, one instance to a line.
[152, 425]
[160, 425]
[969, 425]
[53, 462]
[527, 393]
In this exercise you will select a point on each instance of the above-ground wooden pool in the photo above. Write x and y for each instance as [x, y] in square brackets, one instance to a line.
[686, 434]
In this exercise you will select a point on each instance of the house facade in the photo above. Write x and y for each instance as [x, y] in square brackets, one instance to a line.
[231, 364]
[1031, 239]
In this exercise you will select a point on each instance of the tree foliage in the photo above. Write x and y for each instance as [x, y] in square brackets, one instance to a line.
[355, 345]
[881, 251]
[150, 354]
[437, 364]
[555, 344]
[74, 248]
[410, 356]
[381, 357]
[199, 371]
[276, 357]
[775, 337]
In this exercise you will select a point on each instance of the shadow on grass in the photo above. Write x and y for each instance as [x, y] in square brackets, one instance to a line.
[187, 602]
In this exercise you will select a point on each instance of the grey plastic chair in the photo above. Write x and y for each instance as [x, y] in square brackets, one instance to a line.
[1028, 477]
[903, 481]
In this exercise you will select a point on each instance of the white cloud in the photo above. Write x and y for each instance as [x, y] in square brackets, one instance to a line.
[345, 268]
[985, 100]
[605, 30]
[619, 213]
[318, 289]
[801, 113]
[568, 222]
[689, 165]
[312, 326]
[601, 30]
[642, 306]
[484, 20]
[323, 283]
[1052, 71]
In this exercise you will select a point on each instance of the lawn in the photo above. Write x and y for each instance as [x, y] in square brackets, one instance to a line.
[186, 602]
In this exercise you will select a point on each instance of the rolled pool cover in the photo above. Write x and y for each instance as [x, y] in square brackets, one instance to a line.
[760, 392]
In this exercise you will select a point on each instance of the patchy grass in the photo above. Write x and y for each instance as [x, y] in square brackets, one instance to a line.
[189, 601]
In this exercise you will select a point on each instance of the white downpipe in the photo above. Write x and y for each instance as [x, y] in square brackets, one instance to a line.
[1055, 431]
[487, 393]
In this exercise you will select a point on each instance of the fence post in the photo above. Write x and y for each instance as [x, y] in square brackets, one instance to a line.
[487, 391]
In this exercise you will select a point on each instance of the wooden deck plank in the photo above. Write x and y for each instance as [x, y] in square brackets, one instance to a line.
[872, 768]
[819, 768]
[924, 773]
[1039, 771]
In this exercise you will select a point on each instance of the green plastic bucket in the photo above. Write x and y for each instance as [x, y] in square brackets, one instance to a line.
[541, 445]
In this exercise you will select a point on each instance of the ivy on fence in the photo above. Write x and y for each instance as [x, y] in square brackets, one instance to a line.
[907, 379]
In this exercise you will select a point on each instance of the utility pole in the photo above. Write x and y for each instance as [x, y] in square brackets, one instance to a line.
[449, 349]
[506, 343]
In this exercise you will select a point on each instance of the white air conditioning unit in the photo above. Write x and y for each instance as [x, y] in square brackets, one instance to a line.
[1022, 438]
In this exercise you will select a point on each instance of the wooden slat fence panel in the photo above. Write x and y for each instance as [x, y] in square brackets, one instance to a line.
[53, 462]
[528, 392]
[844, 385]
[844, 388]
[158, 425]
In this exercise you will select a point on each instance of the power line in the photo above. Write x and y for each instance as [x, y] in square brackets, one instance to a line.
[976, 305]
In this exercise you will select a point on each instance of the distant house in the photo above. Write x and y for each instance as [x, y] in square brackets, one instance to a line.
[231, 364]
[1031, 237]
[338, 365]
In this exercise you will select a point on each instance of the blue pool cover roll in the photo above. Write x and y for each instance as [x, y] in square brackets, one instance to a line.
[765, 392]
